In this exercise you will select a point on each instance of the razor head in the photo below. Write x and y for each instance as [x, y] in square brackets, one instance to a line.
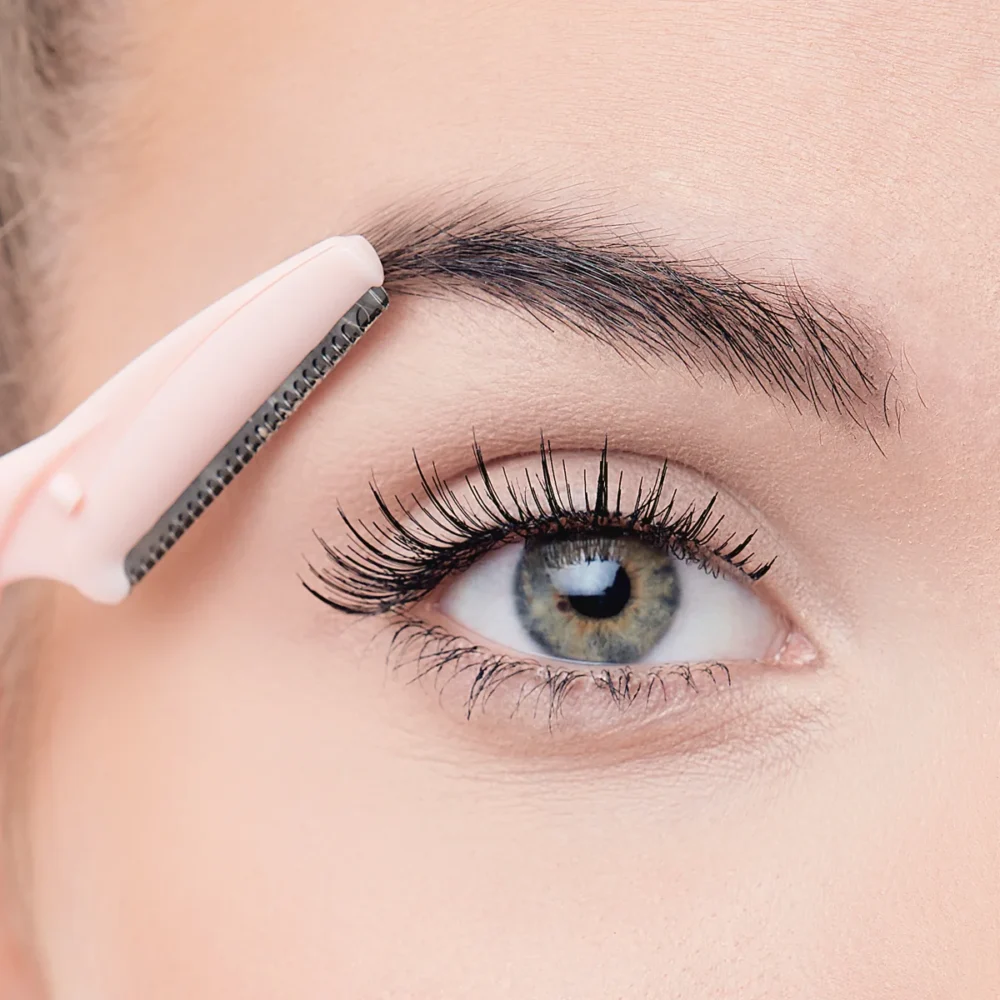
[241, 448]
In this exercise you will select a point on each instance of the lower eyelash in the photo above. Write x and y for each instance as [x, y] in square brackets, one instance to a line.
[430, 651]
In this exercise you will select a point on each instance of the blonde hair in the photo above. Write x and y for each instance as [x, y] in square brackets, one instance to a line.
[45, 48]
[43, 55]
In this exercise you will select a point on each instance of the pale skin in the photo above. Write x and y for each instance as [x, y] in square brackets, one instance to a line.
[229, 795]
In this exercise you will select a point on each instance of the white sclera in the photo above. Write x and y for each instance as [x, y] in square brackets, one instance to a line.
[717, 618]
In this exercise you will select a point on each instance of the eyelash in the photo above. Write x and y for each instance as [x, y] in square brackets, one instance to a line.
[432, 650]
[394, 564]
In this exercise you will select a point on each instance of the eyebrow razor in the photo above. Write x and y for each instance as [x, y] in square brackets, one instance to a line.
[98, 501]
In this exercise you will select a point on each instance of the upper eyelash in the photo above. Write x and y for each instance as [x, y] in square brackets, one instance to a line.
[392, 565]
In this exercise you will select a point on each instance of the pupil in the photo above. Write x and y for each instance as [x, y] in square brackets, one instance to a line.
[605, 603]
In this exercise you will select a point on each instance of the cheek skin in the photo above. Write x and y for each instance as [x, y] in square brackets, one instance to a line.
[205, 797]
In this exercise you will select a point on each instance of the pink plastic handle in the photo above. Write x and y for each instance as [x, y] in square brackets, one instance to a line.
[76, 499]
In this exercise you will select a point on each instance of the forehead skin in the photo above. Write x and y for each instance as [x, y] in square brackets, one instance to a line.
[855, 143]
[847, 137]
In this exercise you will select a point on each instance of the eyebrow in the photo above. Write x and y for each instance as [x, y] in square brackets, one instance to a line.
[616, 284]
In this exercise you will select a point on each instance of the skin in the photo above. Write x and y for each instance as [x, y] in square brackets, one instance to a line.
[226, 791]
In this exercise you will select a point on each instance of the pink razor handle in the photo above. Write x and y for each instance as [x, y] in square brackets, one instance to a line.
[97, 501]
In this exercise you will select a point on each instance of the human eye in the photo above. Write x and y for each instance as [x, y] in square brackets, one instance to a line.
[605, 599]
[563, 585]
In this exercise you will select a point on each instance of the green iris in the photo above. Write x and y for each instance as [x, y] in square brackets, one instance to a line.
[601, 600]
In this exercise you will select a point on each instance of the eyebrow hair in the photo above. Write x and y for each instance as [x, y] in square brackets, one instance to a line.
[615, 284]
